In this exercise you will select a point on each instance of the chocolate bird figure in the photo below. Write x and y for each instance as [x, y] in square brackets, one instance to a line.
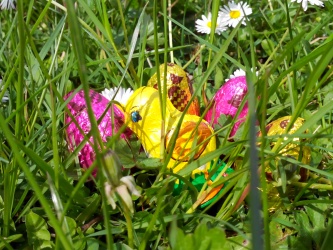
[143, 116]
[195, 138]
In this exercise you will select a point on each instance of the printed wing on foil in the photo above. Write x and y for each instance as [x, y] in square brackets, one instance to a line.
[190, 134]
[179, 88]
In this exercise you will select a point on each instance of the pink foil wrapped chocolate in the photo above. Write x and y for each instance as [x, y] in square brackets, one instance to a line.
[227, 101]
[107, 126]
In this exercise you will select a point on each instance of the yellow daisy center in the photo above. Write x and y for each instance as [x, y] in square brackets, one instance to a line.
[209, 24]
[234, 14]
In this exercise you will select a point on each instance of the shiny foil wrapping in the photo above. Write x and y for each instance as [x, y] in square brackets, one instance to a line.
[273, 197]
[227, 101]
[195, 137]
[76, 132]
[278, 127]
[178, 86]
[143, 116]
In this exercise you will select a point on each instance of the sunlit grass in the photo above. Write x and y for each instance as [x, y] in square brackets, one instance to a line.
[49, 49]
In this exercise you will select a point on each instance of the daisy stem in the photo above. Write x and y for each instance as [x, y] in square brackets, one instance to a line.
[162, 88]
[170, 31]
[122, 18]
[215, 9]
[194, 56]
[106, 215]
[129, 223]
[270, 5]
[291, 82]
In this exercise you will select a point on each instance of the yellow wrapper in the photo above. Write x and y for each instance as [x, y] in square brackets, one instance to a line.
[273, 196]
[195, 137]
[178, 87]
[278, 127]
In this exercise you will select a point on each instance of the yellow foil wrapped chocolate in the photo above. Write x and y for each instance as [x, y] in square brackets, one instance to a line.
[178, 87]
[195, 138]
[278, 127]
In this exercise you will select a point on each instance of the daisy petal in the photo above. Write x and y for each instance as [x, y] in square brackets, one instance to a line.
[7, 4]
[118, 94]
[204, 25]
[311, 2]
[233, 13]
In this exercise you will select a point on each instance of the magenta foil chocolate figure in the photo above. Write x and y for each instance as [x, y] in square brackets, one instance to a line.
[107, 126]
[227, 101]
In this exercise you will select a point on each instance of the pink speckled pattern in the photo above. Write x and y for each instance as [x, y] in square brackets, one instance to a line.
[78, 108]
[241, 118]
[227, 101]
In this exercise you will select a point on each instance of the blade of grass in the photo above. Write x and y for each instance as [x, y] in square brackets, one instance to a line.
[35, 186]
[11, 176]
[78, 49]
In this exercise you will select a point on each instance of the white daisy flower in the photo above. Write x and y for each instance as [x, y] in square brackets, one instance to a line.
[312, 2]
[5, 98]
[120, 94]
[125, 190]
[124, 186]
[239, 72]
[7, 4]
[234, 13]
[204, 25]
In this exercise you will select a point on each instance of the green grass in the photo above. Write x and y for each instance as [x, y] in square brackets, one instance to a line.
[48, 49]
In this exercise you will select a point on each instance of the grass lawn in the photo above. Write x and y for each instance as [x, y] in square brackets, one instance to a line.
[92, 158]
